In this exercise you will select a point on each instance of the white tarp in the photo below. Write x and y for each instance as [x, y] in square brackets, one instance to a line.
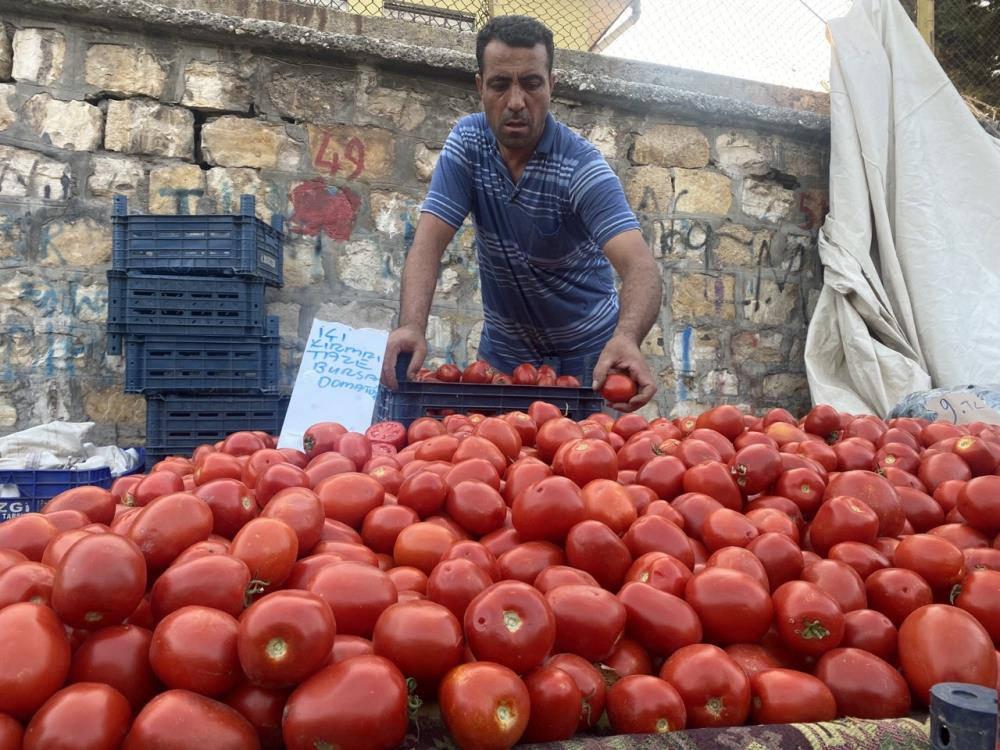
[911, 245]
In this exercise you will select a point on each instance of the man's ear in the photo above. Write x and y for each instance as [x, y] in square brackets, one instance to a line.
[479, 84]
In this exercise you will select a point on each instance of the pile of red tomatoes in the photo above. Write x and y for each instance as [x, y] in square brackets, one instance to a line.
[532, 575]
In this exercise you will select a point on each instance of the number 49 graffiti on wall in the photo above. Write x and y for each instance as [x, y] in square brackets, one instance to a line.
[331, 158]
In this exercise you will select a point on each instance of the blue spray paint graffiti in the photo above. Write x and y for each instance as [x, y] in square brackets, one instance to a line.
[685, 368]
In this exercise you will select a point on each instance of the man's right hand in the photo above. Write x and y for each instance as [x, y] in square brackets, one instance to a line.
[403, 339]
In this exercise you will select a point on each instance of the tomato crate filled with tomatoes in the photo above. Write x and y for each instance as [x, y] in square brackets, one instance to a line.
[481, 581]
[481, 389]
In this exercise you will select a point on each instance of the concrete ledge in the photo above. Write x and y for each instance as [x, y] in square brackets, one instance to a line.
[327, 34]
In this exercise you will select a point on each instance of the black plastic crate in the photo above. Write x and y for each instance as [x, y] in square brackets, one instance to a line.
[211, 244]
[177, 424]
[209, 365]
[187, 305]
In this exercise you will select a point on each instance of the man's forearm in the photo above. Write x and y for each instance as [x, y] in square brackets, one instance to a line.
[641, 296]
[420, 271]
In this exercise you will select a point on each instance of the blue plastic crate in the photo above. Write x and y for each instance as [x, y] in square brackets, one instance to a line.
[217, 365]
[177, 424]
[241, 245]
[141, 305]
[36, 487]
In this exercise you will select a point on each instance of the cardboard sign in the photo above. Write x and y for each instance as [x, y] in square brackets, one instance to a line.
[337, 381]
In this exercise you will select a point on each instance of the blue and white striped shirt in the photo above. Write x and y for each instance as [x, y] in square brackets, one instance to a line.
[548, 289]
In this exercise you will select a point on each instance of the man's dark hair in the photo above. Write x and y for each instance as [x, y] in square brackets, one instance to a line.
[515, 31]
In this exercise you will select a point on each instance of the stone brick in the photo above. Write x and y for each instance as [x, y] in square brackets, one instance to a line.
[472, 341]
[80, 242]
[603, 137]
[363, 266]
[112, 406]
[695, 350]
[175, 189]
[38, 56]
[227, 185]
[111, 175]
[744, 153]
[141, 126]
[652, 345]
[786, 388]
[352, 153]
[649, 190]
[739, 246]
[767, 304]
[10, 237]
[317, 95]
[425, 160]
[359, 314]
[288, 319]
[90, 303]
[244, 142]
[124, 70]
[6, 54]
[8, 112]
[215, 87]
[699, 296]
[802, 160]
[72, 125]
[762, 347]
[403, 110]
[26, 174]
[440, 334]
[766, 200]
[394, 214]
[303, 262]
[8, 414]
[671, 146]
[700, 191]
[718, 385]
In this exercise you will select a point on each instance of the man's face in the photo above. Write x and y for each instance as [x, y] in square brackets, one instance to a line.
[515, 87]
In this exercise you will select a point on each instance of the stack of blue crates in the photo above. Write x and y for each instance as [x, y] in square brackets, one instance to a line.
[186, 310]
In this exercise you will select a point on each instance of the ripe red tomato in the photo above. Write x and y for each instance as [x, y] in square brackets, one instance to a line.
[896, 592]
[284, 638]
[231, 503]
[302, 510]
[589, 620]
[727, 528]
[980, 596]
[808, 619]
[586, 460]
[780, 556]
[321, 438]
[555, 705]
[118, 656]
[27, 582]
[548, 509]
[840, 519]
[85, 715]
[786, 696]
[357, 594]
[477, 507]
[618, 388]
[510, 623]
[525, 374]
[864, 685]
[422, 545]
[732, 606]
[656, 534]
[100, 582]
[970, 655]
[521, 475]
[455, 583]
[755, 468]
[715, 690]
[263, 709]
[712, 478]
[194, 648]
[168, 525]
[278, 477]
[424, 491]
[214, 466]
[870, 631]
[664, 475]
[840, 581]
[628, 658]
[596, 550]
[938, 561]
[155, 485]
[661, 571]
[863, 558]
[484, 705]
[348, 497]
[96, 502]
[659, 622]
[977, 503]
[11, 733]
[643, 704]
[179, 719]
[269, 548]
[34, 658]
[29, 534]
[422, 638]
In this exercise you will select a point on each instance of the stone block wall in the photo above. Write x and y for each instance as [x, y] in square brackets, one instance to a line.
[344, 149]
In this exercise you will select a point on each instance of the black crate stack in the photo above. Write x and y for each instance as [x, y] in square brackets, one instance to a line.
[186, 309]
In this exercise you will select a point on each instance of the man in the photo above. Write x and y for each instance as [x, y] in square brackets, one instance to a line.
[551, 221]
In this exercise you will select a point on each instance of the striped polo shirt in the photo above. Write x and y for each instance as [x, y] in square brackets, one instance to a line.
[548, 289]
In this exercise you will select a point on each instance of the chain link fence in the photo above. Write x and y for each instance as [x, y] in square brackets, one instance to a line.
[774, 41]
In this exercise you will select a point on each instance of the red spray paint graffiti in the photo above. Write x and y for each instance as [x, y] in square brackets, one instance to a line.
[318, 207]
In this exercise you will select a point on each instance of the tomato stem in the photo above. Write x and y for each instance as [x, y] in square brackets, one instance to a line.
[955, 592]
[511, 621]
[715, 706]
[254, 588]
[662, 726]
[813, 630]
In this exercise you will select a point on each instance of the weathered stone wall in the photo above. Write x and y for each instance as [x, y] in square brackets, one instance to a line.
[344, 146]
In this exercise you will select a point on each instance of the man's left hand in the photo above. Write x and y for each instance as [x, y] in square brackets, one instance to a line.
[622, 354]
